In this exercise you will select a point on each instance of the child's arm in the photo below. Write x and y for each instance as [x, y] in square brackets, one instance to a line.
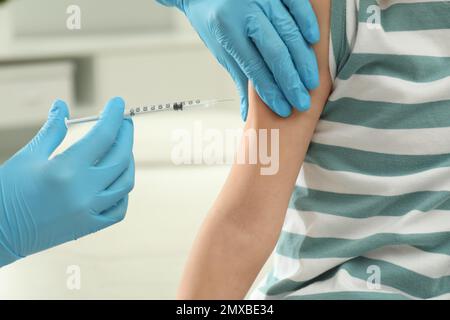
[241, 230]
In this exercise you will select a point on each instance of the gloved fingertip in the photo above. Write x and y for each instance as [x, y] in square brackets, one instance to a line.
[59, 109]
[244, 114]
[244, 108]
[117, 102]
[171, 3]
[284, 113]
[312, 83]
[114, 106]
[304, 103]
[277, 103]
[313, 35]
[309, 73]
[282, 109]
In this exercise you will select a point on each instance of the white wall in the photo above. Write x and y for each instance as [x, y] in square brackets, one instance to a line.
[48, 17]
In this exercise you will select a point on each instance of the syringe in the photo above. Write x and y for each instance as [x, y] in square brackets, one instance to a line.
[171, 106]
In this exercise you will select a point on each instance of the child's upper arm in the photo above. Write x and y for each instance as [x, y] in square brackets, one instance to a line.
[271, 193]
[296, 132]
[245, 222]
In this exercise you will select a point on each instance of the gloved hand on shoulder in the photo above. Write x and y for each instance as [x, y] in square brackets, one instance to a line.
[265, 41]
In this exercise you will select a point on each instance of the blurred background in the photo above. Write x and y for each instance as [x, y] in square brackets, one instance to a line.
[147, 54]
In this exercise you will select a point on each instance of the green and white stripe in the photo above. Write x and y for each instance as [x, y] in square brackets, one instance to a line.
[374, 190]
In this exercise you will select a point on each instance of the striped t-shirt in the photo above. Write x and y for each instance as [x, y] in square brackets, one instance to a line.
[370, 215]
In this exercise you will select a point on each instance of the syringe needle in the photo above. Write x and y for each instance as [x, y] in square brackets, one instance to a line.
[82, 120]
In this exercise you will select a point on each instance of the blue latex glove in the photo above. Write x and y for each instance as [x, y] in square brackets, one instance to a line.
[266, 41]
[45, 202]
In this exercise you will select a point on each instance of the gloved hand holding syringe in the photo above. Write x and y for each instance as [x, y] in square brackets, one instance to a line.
[171, 106]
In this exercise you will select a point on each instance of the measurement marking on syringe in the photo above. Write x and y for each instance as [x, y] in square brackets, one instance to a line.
[175, 106]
